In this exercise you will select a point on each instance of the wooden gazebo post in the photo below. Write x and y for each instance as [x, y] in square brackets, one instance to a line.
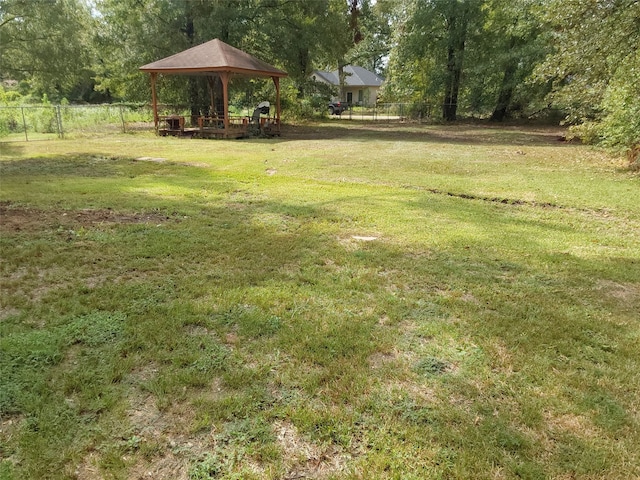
[154, 99]
[276, 81]
[224, 76]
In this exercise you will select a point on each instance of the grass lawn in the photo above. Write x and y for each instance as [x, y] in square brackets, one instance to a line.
[348, 302]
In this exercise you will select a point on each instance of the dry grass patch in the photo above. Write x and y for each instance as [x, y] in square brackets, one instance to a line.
[627, 293]
[305, 459]
[576, 425]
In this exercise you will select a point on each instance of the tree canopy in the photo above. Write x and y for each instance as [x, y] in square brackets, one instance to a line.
[45, 42]
[595, 67]
[493, 59]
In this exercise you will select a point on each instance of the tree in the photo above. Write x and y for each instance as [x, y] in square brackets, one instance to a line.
[512, 44]
[132, 33]
[595, 67]
[297, 34]
[135, 32]
[478, 54]
[409, 69]
[457, 16]
[45, 42]
[433, 35]
[373, 35]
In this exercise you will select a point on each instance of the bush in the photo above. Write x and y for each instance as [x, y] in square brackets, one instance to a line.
[618, 125]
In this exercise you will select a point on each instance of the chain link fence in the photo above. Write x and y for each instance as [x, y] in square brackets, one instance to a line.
[40, 122]
[43, 122]
[389, 112]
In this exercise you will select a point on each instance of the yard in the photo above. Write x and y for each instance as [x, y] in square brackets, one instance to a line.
[346, 301]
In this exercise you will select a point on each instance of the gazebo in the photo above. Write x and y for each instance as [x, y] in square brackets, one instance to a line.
[213, 58]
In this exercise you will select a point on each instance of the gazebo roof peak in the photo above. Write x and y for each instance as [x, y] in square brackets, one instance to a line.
[213, 56]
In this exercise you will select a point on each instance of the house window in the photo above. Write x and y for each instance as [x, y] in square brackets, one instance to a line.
[360, 96]
[349, 98]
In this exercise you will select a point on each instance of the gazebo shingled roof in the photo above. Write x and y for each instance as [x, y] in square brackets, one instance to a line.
[213, 58]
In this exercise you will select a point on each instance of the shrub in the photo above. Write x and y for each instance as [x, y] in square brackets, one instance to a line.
[617, 126]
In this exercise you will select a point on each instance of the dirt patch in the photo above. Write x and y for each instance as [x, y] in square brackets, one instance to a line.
[382, 359]
[168, 467]
[6, 312]
[354, 242]
[166, 438]
[305, 459]
[14, 218]
[10, 426]
[505, 201]
[88, 469]
[625, 292]
[199, 331]
[165, 160]
[151, 159]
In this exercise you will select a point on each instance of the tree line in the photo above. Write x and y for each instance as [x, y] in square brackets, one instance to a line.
[497, 59]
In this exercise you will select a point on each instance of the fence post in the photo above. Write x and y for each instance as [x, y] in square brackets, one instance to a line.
[124, 129]
[59, 121]
[24, 124]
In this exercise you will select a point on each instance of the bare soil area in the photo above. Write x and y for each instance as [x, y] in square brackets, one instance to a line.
[15, 218]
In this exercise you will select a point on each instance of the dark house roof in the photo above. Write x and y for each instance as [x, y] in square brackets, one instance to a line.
[355, 77]
[213, 56]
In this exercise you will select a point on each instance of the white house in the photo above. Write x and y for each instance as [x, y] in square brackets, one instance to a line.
[360, 85]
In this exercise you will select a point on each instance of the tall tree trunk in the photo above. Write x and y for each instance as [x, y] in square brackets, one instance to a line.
[452, 88]
[457, 31]
[508, 83]
[341, 80]
[354, 24]
[218, 96]
[304, 61]
[194, 100]
[506, 93]
[224, 33]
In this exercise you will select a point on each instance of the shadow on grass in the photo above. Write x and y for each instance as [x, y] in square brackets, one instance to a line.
[457, 134]
[11, 149]
[267, 296]
[87, 165]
